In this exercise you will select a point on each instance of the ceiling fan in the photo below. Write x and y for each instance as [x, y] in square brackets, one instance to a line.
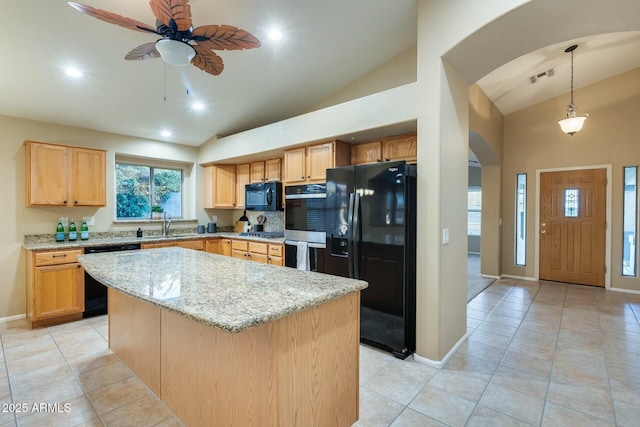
[180, 43]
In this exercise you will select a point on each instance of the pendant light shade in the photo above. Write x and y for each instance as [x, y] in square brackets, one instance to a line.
[175, 52]
[572, 123]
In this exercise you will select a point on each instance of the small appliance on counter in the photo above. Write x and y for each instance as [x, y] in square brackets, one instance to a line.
[212, 227]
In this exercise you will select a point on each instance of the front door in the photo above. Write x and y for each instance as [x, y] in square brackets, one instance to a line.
[573, 226]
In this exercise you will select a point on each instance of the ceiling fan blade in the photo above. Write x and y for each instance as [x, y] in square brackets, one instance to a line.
[113, 18]
[144, 51]
[224, 37]
[207, 60]
[177, 10]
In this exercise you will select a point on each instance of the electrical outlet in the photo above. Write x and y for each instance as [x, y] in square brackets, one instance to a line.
[90, 220]
[65, 221]
[445, 236]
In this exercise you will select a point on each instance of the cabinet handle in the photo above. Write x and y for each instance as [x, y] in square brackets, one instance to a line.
[75, 202]
[64, 201]
[60, 256]
[302, 177]
[308, 176]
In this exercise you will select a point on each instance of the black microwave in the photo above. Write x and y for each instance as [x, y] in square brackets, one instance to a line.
[263, 196]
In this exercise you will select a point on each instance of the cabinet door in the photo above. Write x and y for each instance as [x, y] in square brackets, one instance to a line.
[213, 246]
[370, 152]
[47, 179]
[225, 247]
[275, 260]
[88, 177]
[258, 257]
[58, 290]
[403, 147]
[257, 172]
[295, 166]
[239, 254]
[242, 178]
[272, 170]
[224, 189]
[196, 245]
[158, 245]
[319, 159]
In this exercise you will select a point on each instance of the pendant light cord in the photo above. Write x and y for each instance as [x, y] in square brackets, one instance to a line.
[572, 77]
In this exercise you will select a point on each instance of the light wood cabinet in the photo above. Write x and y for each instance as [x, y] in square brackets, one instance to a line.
[273, 170]
[243, 177]
[276, 255]
[55, 287]
[60, 175]
[196, 245]
[401, 147]
[225, 247]
[309, 164]
[219, 186]
[213, 246]
[257, 172]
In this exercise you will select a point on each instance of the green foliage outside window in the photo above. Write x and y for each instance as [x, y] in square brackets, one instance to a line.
[138, 188]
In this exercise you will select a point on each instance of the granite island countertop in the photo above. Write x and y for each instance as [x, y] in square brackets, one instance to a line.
[224, 292]
[93, 242]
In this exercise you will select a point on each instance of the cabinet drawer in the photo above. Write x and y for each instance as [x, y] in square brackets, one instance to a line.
[240, 245]
[258, 248]
[57, 257]
[275, 250]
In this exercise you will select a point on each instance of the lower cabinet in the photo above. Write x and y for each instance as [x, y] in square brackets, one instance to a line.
[196, 245]
[55, 287]
[257, 251]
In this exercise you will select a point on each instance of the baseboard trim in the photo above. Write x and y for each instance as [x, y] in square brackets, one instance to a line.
[625, 291]
[12, 318]
[488, 276]
[511, 276]
[439, 364]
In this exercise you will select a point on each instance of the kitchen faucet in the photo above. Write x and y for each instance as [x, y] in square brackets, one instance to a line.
[166, 223]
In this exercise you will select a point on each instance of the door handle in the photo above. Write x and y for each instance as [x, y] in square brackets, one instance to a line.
[544, 224]
[543, 231]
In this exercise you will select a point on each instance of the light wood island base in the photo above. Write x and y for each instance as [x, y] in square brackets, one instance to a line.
[299, 370]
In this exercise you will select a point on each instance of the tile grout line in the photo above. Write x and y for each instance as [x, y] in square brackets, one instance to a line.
[606, 364]
[6, 368]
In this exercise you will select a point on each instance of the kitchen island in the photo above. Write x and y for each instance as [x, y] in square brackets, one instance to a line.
[228, 342]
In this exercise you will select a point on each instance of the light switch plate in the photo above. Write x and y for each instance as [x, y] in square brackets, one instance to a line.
[445, 236]
[90, 220]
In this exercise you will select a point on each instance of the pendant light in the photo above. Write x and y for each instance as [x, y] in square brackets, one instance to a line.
[573, 123]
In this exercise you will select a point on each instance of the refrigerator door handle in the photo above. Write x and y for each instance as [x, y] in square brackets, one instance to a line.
[350, 234]
[356, 237]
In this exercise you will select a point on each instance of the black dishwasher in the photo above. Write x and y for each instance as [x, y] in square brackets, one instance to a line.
[95, 293]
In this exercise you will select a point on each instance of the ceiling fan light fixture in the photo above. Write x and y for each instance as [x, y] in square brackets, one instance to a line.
[175, 52]
[572, 123]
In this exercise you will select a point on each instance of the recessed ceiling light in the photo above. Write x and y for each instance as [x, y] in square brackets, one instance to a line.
[166, 133]
[74, 72]
[275, 34]
[197, 106]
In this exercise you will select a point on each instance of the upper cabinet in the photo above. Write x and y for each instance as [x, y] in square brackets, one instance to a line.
[219, 186]
[309, 164]
[243, 177]
[401, 147]
[60, 175]
[266, 171]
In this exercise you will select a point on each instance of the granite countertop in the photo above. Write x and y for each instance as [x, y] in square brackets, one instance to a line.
[93, 242]
[224, 292]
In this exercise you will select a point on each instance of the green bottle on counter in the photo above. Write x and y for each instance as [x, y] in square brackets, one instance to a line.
[84, 231]
[73, 232]
[60, 232]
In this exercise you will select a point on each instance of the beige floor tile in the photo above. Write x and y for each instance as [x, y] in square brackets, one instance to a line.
[377, 410]
[6, 416]
[503, 320]
[532, 342]
[485, 308]
[476, 314]
[400, 380]
[626, 414]
[548, 326]
[411, 418]
[93, 360]
[104, 376]
[73, 412]
[496, 328]
[490, 338]
[23, 382]
[528, 363]
[114, 396]
[587, 400]
[487, 417]
[626, 390]
[482, 351]
[66, 337]
[521, 382]
[23, 335]
[40, 344]
[482, 369]
[461, 384]
[58, 392]
[141, 413]
[371, 362]
[171, 422]
[521, 406]
[558, 416]
[442, 406]
[578, 369]
[35, 361]
[515, 313]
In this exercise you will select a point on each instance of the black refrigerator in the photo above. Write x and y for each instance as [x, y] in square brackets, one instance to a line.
[371, 235]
